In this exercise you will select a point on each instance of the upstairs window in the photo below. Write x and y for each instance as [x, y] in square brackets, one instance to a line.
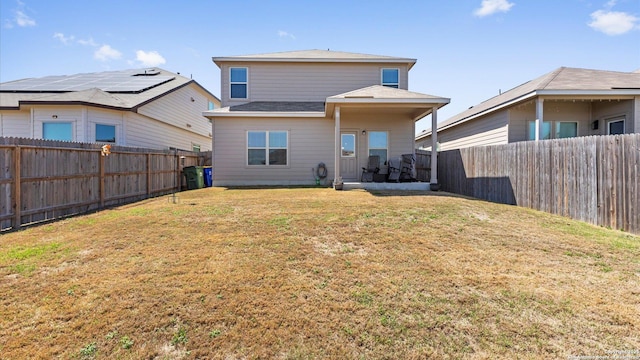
[390, 78]
[238, 80]
[211, 105]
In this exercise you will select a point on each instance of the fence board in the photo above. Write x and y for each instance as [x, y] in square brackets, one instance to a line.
[42, 180]
[593, 179]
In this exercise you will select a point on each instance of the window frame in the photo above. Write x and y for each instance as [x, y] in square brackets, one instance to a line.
[245, 83]
[71, 123]
[616, 119]
[531, 136]
[115, 133]
[194, 146]
[267, 149]
[369, 148]
[556, 130]
[395, 85]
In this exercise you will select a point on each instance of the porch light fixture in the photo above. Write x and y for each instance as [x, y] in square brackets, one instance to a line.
[54, 116]
[364, 132]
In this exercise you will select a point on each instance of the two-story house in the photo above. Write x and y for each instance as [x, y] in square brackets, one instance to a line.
[150, 108]
[284, 114]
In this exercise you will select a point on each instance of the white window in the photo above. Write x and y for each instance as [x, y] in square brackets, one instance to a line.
[566, 129]
[57, 131]
[238, 81]
[211, 105]
[615, 126]
[379, 144]
[391, 78]
[267, 148]
[544, 134]
[195, 147]
[105, 133]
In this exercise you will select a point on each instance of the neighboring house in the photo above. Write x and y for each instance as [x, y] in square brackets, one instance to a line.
[285, 113]
[150, 108]
[567, 102]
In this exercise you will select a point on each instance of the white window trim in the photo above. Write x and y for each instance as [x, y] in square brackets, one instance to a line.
[369, 148]
[238, 82]
[388, 84]
[555, 129]
[622, 119]
[266, 148]
[194, 145]
[95, 133]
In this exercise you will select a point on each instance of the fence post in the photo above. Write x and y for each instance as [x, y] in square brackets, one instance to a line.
[17, 200]
[148, 175]
[102, 190]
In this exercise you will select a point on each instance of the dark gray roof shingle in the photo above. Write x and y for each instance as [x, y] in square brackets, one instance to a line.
[280, 106]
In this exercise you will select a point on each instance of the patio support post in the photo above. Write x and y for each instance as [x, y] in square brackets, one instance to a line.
[434, 149]
[337, 181]
[539, 117]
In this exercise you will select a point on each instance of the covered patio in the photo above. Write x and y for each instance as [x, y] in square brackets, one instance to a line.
[378, 120]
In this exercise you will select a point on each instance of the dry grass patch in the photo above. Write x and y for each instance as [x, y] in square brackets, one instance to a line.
[316, 273]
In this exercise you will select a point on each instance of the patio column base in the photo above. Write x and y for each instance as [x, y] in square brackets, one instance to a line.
[434, 186]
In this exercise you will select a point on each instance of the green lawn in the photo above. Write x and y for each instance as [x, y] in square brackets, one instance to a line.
[315, 273]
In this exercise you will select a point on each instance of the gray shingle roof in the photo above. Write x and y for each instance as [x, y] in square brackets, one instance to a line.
[567, 80]
[383, 92]
[280, 106]
[315, 56]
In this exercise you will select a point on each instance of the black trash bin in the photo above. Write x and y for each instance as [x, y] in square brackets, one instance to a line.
[194, 176]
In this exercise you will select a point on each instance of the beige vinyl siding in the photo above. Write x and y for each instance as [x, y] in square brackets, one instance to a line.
[305, 81]
[311, 141]
[177, 109]
[15, 123]
[142, 131]
[636, 115]
[581, 111]
[487, 130]
[605, 110]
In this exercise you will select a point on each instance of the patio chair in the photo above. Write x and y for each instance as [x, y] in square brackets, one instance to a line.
[372, 168]
[394, 169]
[407, 167]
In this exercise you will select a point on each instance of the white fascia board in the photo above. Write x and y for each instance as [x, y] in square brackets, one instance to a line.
[612, 92]
[367, 100]
[409, 62]
[264, 114]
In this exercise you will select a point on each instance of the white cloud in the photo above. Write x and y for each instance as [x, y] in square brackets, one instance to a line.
[88, 42]
[23, 20]
[284, 34]
[151, 58]
[613, 22]
[490, 7]
[63, 39]
[106, 52]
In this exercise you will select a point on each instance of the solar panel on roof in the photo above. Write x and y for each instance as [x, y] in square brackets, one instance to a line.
[113, 81]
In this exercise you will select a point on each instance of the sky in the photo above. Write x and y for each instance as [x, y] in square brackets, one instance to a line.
[467, 50]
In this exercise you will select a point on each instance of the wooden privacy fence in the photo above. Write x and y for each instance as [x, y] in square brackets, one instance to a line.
[423, 165]
[594, 179]
[43, 180]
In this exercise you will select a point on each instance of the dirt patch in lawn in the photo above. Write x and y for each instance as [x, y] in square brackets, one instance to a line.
[317, 273]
